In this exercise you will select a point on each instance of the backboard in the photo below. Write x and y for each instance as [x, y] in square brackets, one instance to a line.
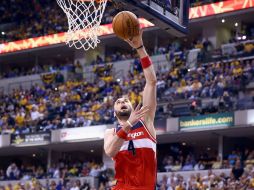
[170, 15]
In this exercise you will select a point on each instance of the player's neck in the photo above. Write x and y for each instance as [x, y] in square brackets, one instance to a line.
[122, 120]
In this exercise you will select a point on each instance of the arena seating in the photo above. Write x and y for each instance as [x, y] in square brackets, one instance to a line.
[223, 174]
[44, 106]
[178, 161]
[62, 169]
[18, 15]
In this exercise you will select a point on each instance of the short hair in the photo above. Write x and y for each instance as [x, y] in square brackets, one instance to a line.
[118, 97]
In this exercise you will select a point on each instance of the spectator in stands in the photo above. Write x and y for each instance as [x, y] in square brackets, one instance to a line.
[76, 186]
[237, 170]
[207, 47]
[250, 159]
[217, 164]
[177, 166]
[163, 183]
[2, 175]
[188, 165]
[199, 166]
[68, 122]
[85, 186]
[95, 170]
[73, 171]
[35, 114]
[168, 163]
[232, 158]
[52, 185]
[12, 172]
[171, 181]
[225, 102]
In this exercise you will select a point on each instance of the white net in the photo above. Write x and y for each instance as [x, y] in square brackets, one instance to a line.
[84, 18]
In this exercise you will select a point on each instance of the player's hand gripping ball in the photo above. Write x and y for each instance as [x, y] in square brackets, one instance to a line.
[126, 25]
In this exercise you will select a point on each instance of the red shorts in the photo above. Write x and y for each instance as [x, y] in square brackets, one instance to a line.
[126, 187]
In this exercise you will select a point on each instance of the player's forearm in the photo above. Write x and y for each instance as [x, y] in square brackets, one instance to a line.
[142, 52]
[149, 72]
[113, 145]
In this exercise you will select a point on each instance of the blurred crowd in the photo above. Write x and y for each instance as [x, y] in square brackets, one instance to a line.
[241, 164]
[17, 16]
[211, 181]
[184, 160]
[63, 176]
[10, 71]
[221, 81]
[62, 170]
[72, 184]
[206, 54]
[78, 103]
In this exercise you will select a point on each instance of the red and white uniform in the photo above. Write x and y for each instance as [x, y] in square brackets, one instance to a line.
[135, 163]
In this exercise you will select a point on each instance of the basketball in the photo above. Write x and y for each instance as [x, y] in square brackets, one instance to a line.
[126, 25]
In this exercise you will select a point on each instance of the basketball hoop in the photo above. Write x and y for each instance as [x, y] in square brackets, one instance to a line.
[84, 19]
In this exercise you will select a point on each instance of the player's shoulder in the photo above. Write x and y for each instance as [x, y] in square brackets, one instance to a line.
[110, 131]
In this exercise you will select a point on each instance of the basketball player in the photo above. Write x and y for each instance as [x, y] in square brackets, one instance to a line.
[132, 145]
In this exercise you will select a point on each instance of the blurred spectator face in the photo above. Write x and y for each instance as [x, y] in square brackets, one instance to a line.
[13, 166]
[34, 109]
[78, 183]
[238, 164]
[10, 186]
[52, 185]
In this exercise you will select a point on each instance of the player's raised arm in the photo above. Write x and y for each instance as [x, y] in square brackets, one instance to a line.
[149, 93]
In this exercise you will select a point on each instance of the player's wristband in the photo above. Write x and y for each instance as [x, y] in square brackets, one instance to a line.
[146, 62]
[129, 123]
[139, 47]
[122, 134]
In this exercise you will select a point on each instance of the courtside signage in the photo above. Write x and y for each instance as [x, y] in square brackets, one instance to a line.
[194, 12]
[220, 7]
[30, 139]
[82, 133]
[56, 39]
[207, 121]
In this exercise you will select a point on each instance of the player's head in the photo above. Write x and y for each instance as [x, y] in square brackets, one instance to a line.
[123, 108]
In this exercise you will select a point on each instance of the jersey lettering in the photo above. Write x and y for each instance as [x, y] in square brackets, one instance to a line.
[136, 134]
[131, 148]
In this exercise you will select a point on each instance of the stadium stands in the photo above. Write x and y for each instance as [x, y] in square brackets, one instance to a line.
[60, 170]
[17, 16]
[178, 161]
[209, 181]
[64, 170]
[44, 106]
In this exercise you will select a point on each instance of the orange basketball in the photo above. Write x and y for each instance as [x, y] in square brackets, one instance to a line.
[126, 25]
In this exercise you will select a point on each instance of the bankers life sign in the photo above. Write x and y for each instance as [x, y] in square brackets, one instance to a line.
[210, 121]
